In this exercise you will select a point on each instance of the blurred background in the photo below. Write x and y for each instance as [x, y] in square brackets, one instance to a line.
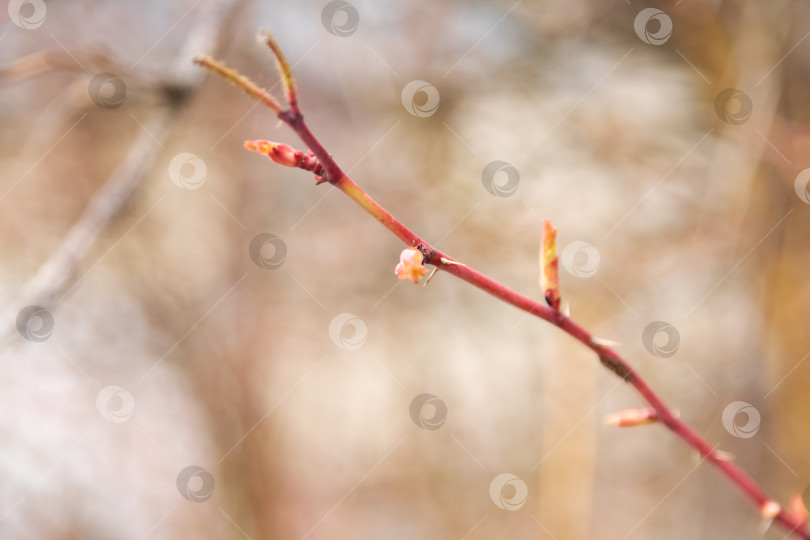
[199, 343]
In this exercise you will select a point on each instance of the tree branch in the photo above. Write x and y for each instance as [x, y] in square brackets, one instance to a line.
[794, 522]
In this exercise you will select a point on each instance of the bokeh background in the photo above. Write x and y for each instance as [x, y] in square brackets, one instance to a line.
[166, 385]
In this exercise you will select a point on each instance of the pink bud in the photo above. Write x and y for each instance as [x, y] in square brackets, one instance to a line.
[283, 154]
[770, 509]
[632, 417]
[410, 265]
[549, 274]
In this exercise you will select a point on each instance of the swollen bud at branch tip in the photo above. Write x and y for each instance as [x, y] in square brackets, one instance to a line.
[631, 418]
[410, 265]
[283, 154]
[549, 275]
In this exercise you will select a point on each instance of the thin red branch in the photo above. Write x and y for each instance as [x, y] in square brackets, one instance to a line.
[608, 357]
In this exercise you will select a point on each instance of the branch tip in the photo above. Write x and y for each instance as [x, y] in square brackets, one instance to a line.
[549, 274]
[239, 80]
[284, 70]
[286, 155]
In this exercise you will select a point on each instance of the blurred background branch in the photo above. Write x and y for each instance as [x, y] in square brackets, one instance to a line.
[58, 271]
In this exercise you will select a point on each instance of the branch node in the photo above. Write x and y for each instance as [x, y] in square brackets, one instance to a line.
[617, 367]
[427, 252]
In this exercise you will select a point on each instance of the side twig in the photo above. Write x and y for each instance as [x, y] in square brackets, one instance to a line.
[793, 521]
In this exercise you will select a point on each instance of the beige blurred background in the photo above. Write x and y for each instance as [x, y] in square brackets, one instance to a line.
[170, 348]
